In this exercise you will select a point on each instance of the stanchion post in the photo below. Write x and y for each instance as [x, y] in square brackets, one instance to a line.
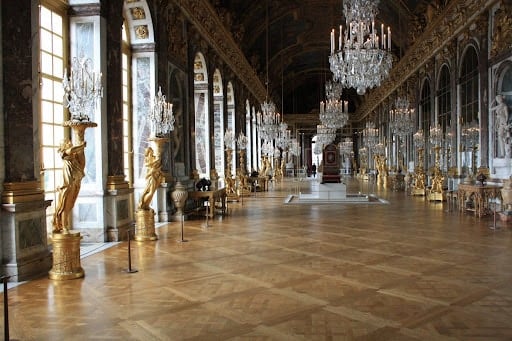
[182, 223]
[6, 309]
[207, 213]
[494, 227]
[130, 270]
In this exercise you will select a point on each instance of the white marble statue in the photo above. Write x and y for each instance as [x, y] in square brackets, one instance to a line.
[502, 127]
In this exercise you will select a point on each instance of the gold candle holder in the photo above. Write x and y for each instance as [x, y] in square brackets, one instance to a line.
[66, 243]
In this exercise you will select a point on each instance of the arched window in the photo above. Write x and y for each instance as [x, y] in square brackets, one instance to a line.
[425, 118]
[127, 108]
[218, 123]
[468, 94]
[53, 37]
[444, 106]
[231, 118]
[444, 103]
[202, 126]
[468, 85]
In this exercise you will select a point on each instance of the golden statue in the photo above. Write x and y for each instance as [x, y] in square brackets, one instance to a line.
[437, 182]
[154, 178]
[73, 165]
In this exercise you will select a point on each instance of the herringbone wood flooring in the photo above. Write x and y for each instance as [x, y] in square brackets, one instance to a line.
[409, 270]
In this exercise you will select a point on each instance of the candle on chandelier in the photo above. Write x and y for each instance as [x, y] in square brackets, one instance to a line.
[341, 30]
[345, 103]
[382, 34]
[373, 34]
[332, 41]
[389, 38]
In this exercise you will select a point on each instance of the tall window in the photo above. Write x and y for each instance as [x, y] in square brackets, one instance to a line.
[218, 123]
[202, 126]
[426, 116]
[469, 86]
[52, 114]
[444, 102]
[127, 111]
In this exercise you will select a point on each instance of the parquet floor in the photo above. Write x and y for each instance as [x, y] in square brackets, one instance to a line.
[408, 270]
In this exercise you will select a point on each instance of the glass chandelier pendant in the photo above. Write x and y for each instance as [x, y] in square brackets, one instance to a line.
[161, 116]
[334, 112]
[325, 135]
[82, 89]
[363, 58]
[268, 121]
[401, 118]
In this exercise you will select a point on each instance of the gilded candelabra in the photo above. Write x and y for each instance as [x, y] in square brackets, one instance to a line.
[436, 191]
[82, 90]
[229, 180]
[380, 164]
[243, 185]
[419, 172]
[162, 122]
[363, 162]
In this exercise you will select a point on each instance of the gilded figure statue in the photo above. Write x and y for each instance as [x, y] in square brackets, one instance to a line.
[154, 177]
[437, 182]
[73, 165]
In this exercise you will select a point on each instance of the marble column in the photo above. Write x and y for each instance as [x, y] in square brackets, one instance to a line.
[24, 249]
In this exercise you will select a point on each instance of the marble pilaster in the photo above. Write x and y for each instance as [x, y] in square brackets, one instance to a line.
[25, 253]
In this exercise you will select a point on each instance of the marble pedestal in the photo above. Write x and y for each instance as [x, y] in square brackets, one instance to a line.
[326, 191]
[24, 250]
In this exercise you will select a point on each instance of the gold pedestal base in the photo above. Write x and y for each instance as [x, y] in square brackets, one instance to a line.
[435, 196]
[232, 197]
[417, 191]
[145, 225]
[66, 257]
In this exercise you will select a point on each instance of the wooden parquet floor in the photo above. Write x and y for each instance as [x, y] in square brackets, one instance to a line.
[407, 270]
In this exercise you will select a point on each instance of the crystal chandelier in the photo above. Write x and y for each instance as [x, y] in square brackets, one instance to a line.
[363, 58]
[267, 148]
[346, 146]
[242, 141]
[161, 116]
[379, 149]
[294, 147]
[283, 136]
[370, 135]
[229, 139]
[268, 119]
[334, 112]
[436, 136]
[317, 149]
[419, 139]
[471, 134]
[401, 118]
[82, 89]
[325, 135]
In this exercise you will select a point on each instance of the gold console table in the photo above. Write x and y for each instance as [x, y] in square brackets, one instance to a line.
[212, 197]
[479, 195]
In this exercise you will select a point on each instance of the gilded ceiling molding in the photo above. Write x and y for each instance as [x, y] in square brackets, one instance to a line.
[456, 18]
[206, 21]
